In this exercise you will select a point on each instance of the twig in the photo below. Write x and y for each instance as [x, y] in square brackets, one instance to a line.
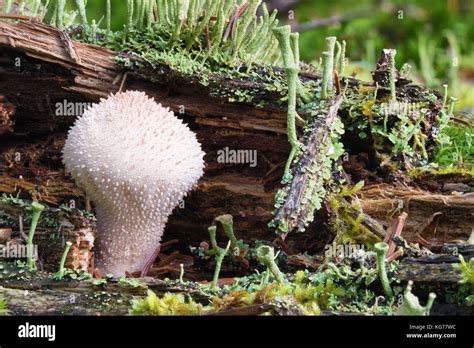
[69, 47]
[149, 263]
[168, 243]
[460, 120]
[168, 259]
[395, 230]
[324, 22]
[20, 17]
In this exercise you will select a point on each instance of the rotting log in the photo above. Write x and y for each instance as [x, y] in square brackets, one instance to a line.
[437, 217]
[37, 71]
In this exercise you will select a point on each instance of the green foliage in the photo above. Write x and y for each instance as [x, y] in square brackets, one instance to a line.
[457, 149]
[168, 304]
[72, 274]
[3, 307]
[411, 304]
[132, 282]
[467, 270]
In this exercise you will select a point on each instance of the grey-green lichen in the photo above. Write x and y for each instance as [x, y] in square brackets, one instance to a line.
[37, 208]
[411, 304]
[381, 250]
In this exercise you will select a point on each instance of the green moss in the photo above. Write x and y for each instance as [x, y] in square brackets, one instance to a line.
[3, 307]
[419, 172]
[467, 270]
[168, 304]
[347, 219]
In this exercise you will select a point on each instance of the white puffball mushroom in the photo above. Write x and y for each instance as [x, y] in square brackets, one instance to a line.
[135, 160]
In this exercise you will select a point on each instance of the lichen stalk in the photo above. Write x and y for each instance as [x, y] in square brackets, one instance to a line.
[36, 8]
[228, 224]
[37, 208]
[63, 259]
[202, 24]
[292, 76]
[282, 34]
[381, 250]
[245, 21]
[161, 11]
[325, 91]
[108, 12]
[141, 7]
[181, 273]
[130, 10]
[150, 13]
[212, 236]
[266, 256]
[181, 12]
[51, 13]
[295, 48]
[331, 43]
[81, 6]
[411, 304]
[7, 5]
[218, 31]
[393, 92]
[219, 258]
[337, 58]
[60, 13]
[342, 62]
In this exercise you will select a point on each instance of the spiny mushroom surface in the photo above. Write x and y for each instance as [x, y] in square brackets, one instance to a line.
[136, 160]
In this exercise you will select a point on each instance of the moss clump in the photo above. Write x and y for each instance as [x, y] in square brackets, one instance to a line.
[347, 221]
[420, 172]
[168, 304]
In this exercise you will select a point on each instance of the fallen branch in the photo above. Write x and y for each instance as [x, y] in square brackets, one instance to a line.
[294, 211]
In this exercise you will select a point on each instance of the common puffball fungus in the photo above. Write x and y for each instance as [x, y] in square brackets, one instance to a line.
[135, 160]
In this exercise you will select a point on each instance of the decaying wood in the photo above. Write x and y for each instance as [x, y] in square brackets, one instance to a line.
[450, 216]
[44, 296]
[53, 69]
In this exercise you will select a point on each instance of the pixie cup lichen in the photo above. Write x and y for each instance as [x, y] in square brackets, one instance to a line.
[381, 250]
[266, 256]
[37, 208]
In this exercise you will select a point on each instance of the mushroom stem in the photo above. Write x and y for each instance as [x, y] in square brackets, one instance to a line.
[37, 209]
[381, 250]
